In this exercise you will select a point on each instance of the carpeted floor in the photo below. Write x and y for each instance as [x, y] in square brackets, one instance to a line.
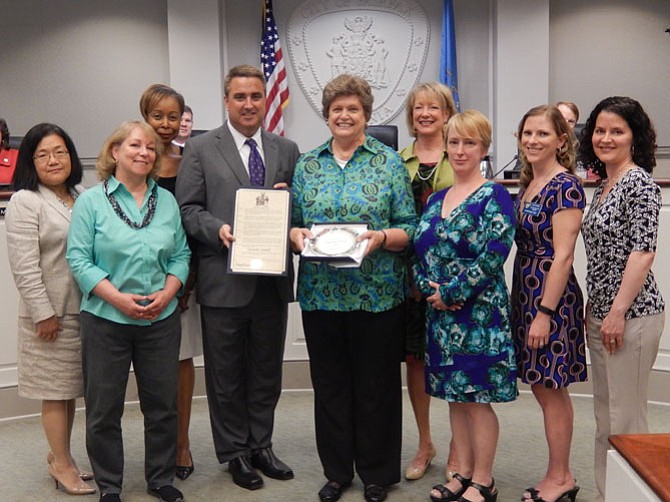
[520, 461]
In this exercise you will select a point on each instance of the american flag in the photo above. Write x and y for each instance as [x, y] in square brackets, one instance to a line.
[272, 63]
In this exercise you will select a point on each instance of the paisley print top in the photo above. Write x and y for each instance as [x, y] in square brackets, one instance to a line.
[625, 221]
[373, 187]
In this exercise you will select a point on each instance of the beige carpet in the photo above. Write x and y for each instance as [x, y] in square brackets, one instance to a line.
[520, 461]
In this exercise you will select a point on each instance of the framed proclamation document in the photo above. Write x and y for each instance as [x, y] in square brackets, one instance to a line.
[260, 226]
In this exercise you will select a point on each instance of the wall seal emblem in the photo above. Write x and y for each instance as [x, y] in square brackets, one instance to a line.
[383, 41]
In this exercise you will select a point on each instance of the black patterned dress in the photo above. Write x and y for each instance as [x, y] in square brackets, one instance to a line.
[563, 360]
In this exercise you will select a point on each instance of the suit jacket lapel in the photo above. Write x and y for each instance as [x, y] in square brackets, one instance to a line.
[54, 202]
[228, 150]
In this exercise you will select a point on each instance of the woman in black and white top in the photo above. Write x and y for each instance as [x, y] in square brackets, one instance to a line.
[625, 310]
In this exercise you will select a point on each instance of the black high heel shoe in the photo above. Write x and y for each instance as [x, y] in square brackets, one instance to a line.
[490, 493]
[184, 471]
[446, 494]
[569, 494]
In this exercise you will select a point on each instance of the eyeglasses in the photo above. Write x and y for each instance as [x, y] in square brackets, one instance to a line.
[43, 157]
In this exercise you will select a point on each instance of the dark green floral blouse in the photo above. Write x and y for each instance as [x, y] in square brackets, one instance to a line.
[374, 188]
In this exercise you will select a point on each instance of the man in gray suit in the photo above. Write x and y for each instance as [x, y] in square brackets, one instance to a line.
[243, 316]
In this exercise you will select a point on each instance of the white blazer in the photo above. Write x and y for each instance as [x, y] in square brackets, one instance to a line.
[37, 227]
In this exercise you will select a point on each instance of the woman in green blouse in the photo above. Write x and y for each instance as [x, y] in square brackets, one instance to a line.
[128, 253]
[353, 317]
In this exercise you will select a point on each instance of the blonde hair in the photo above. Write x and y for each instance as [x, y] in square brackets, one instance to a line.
[472, 124]
[565, 154]
[105, 165]
[433, 90]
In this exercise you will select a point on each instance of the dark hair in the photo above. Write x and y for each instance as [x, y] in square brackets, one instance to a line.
[158, 92]
[4, 132]
[242, 71]
[25, 176]
[644, 135]
[188, 109]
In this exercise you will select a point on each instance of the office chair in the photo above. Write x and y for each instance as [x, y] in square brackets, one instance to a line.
[387, 134]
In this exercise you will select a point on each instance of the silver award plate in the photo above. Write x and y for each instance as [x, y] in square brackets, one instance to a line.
[335, 241]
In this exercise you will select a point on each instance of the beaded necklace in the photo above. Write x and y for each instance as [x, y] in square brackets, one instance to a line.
[151, 208]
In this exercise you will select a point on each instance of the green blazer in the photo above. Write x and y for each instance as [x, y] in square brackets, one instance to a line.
[444, 176]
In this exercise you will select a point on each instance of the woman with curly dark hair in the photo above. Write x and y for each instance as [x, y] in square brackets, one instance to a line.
[625, 313]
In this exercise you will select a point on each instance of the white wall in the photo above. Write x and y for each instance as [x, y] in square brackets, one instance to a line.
[82, 64]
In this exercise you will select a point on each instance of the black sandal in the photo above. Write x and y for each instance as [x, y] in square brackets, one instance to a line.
[446, 494]
[490, 493]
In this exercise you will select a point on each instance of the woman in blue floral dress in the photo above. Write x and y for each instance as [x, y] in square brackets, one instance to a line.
[461, 244]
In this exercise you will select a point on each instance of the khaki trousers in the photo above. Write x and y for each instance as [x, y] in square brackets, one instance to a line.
[620, 384]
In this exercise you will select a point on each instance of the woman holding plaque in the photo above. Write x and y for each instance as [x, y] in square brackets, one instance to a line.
[461, 244]
[428, 108]
[353, 317]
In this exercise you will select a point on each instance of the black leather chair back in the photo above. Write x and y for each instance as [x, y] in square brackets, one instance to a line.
[387, 134]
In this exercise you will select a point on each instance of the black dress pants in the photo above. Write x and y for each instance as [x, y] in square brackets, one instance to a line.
[355, 368]
[244, 352]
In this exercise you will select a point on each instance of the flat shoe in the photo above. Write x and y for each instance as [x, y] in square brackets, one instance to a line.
[244, 474]
[332, 491]
[413, 472]
[375, 493]
[267, 462]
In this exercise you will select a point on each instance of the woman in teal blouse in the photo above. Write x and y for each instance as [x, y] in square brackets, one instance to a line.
[353, 317]
[127, 250]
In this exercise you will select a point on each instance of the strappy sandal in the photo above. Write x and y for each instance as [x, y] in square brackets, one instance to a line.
[490, 493]
[446, 494]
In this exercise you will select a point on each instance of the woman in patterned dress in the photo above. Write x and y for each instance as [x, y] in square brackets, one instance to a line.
[429, 106]
[548, 307]
[353, 317]
[462, 241]
[626, 312]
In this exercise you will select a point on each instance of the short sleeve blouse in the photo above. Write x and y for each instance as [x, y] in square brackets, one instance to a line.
[625, 221]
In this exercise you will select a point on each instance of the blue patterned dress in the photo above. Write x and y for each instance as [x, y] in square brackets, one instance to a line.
[469, 355]
[563, 360]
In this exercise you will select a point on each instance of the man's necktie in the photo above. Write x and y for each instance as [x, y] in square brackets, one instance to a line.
[256, 166]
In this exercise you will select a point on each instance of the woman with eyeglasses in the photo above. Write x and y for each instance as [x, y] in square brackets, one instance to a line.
[49, 349]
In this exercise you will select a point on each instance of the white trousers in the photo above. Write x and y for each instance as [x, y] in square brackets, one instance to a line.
[620, 384]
